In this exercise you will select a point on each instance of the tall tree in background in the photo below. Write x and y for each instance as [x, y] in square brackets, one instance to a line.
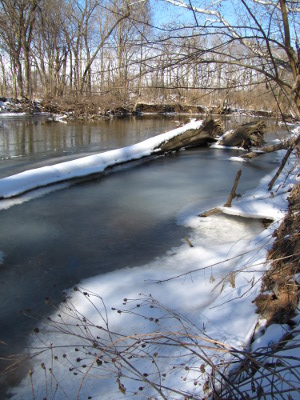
[121, 15]
[17, 21]
[127, 44]
[50, 48]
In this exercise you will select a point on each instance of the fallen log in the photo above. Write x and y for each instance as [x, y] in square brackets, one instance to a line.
[246, 135]
[194, 137]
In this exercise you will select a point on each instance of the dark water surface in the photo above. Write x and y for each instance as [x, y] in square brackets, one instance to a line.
[124, 219]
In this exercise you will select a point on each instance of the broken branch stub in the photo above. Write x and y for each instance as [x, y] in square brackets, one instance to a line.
[246, 135]
[233, 190]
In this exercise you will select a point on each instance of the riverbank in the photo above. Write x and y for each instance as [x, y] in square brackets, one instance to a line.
[92, 108]
[270, 368]
[74, 108]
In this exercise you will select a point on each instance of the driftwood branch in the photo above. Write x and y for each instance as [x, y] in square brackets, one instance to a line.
[188, 242]
[212, 211]
[289, 144]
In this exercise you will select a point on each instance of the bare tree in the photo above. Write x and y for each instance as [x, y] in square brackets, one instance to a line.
[50, 49]
[121, 16]
[16, 28]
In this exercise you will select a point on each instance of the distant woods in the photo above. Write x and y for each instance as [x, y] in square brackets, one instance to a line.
[60, 47]
[121, 52]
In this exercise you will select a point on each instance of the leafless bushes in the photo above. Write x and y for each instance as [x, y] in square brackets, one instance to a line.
[86, 107]
[172, 359]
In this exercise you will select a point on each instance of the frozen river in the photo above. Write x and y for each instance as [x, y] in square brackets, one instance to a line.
[126, 218]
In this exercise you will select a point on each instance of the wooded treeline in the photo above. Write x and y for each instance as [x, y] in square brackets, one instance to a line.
[228, 53]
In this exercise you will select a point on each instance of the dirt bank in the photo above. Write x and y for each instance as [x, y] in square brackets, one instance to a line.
[280, 282]
[96, 107]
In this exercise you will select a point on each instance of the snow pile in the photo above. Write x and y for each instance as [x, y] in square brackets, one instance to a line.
[14, 108]
[28, 180]
[8, 108]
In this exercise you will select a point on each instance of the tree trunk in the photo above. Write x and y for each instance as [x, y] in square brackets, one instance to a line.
[3, 86]
[194, 137]
[292, 56]
[91, 60]
[27, 67]
[20, 78]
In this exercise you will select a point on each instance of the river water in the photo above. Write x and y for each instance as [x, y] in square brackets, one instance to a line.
[123, 219]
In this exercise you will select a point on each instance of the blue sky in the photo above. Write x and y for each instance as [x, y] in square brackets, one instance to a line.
[164, 12]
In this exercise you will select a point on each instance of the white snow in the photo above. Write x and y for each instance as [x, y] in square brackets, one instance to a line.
[212, 284]
[271, 336]
[10, 114]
